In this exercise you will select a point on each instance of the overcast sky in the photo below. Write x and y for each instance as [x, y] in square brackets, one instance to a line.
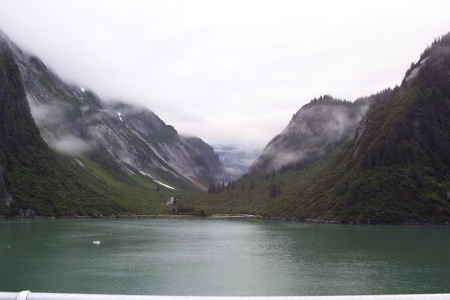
[230, 72]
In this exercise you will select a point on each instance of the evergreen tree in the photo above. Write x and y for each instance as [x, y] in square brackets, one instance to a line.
[232, 184]
[212, 189]
[273, 191]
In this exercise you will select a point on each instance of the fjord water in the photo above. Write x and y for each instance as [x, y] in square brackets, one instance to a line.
[221, 257]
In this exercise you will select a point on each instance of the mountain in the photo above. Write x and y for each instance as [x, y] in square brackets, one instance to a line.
[114, 135]
[65, 152]
[381, 159]
[316, 129]
[33, 179]
[393, 168]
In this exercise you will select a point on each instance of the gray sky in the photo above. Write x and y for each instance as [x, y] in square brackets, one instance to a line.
[230, 72]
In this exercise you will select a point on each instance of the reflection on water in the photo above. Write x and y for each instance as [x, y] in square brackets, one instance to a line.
[221, 257]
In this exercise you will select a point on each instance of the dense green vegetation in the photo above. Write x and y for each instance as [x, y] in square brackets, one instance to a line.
[395, 170]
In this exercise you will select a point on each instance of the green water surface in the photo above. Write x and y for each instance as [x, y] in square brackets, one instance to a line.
[221, 257]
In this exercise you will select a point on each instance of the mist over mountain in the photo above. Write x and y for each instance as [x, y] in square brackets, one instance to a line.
[74, 121]
[316, 129]
[33, 179]
[382, 159]
[66, 152]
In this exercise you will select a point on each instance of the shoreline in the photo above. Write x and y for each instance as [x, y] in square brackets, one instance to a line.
[320, 221]
[222, 216]
[214, 216]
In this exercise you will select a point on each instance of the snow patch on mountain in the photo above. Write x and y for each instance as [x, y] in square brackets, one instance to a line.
[80, 163]
[119, 114]
[157, 181]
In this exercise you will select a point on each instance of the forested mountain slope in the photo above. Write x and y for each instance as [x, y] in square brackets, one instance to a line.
[395, 168]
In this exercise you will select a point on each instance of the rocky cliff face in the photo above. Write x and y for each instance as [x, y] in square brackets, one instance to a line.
[207, 155]
[76, 122]
[315, 130]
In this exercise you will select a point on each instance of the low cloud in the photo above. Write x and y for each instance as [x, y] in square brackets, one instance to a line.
[231, 65]
[56, 130]
[69, 144]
